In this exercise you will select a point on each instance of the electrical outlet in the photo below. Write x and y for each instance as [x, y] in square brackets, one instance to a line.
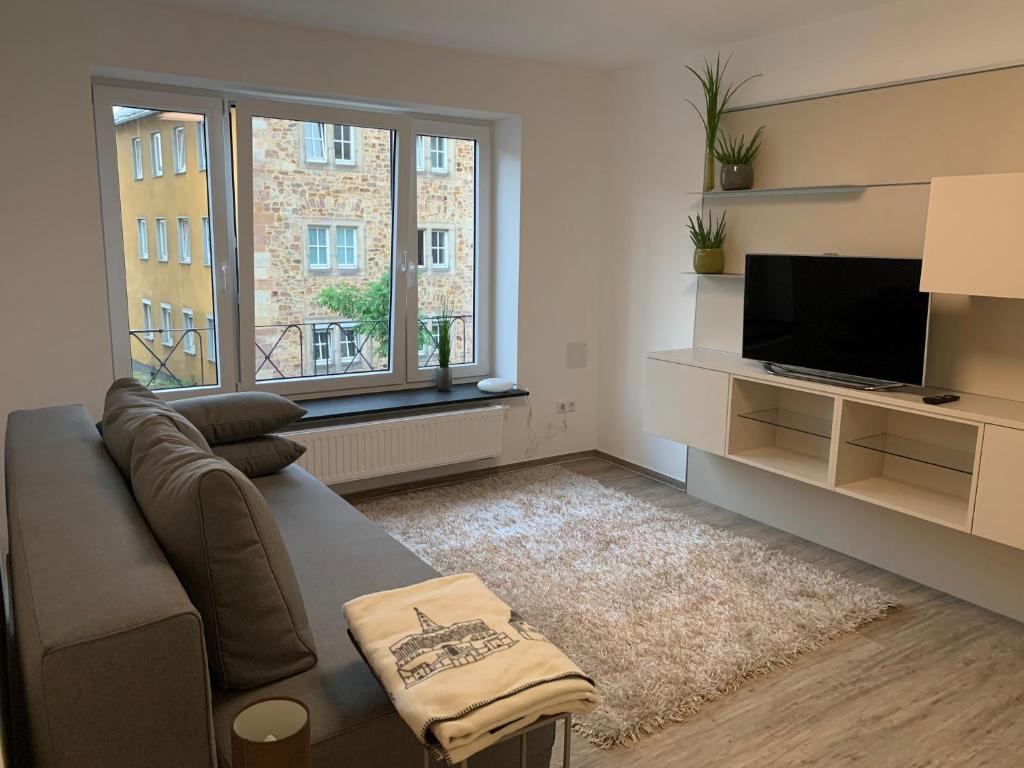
[566, 406]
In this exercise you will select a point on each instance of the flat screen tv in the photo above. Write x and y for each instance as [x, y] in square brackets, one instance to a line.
[863, 318]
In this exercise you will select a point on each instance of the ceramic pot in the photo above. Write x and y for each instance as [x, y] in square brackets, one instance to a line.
[709, 171]
[708, 261]
[443, 378]
[737, 176]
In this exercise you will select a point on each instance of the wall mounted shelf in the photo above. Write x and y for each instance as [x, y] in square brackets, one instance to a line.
[829, 189]
[715, 274]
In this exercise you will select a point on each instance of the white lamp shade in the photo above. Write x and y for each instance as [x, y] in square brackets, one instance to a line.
[974, 243]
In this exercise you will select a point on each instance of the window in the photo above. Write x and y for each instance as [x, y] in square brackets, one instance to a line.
[137, 158]
[184, 241]
[147, 319]
[421, 160]
[211, 339]
[349, 346]
[438, 154]
[201, 145]
[430, 332]
[188, 331]
[316, 248]
[323, 354]
[178, 142]
[207, 250]
[161, 239]
[344, 145]
[166, 331]
[157, 152]
[345, 248]
[142, 235]
[316, 150]
[439, 248]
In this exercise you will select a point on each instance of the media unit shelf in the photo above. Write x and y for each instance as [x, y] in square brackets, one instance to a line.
[887, 448]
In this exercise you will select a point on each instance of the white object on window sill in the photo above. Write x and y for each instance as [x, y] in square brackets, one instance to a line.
[495, 385]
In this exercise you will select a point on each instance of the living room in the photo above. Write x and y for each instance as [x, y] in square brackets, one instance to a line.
[456, 238]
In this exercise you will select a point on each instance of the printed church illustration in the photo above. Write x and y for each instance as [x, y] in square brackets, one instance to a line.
[437, 648]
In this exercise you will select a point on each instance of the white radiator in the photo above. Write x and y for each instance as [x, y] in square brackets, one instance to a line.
[372, 448]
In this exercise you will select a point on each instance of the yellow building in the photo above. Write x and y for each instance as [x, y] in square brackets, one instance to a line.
[161, 158]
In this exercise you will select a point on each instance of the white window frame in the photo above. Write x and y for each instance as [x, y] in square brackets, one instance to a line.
[184, 240]
[440, 151]
[218, 183]
[201, 145]
[156, 151]
[188, 323]
[147, 319]
[346, 267]
[207, 249]
[344, 330]
[445, 265]
[142, 235]
[161, 239]
[137, 171]
[321, 248]
[344, 142]
[319, 362]
[211, 339]
[178, 148]
[166, 325]
[310, 142]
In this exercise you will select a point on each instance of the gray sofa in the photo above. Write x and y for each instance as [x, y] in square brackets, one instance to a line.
[108, 650]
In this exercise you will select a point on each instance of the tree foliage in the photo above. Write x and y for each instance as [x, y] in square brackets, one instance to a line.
[369, 306]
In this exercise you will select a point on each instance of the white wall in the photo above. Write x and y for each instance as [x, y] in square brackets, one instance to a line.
[657, 156]
[55, 338]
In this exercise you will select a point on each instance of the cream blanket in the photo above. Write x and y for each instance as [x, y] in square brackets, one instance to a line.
[461, 668]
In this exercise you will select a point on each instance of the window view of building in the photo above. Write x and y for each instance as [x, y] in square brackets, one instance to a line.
[168, 351]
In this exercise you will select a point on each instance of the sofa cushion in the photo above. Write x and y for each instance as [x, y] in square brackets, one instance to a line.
[127, 405]
[260, 456]
[224, 545]
[238, 415]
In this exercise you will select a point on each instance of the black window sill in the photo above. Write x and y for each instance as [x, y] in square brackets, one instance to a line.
[395, 401]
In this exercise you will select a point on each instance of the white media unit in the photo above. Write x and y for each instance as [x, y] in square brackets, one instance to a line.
[958, 465]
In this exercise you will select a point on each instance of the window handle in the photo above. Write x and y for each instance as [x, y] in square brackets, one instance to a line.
[224, 277]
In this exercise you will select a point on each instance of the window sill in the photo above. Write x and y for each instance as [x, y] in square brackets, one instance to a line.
[395, 401]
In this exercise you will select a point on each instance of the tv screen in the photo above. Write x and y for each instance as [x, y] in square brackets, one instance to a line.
[862, 317]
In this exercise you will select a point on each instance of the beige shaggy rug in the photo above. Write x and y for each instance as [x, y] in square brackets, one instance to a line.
[664, 612]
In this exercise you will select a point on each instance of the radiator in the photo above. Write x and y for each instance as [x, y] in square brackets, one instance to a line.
[369, 449]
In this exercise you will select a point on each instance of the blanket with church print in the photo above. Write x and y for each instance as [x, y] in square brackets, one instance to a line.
[462, 669]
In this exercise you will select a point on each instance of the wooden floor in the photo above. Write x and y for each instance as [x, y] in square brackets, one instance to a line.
[938, 683]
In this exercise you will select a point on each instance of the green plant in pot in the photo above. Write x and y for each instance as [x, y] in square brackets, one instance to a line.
[737, 157]
[443, 372]
[708, 257]
[716, 98]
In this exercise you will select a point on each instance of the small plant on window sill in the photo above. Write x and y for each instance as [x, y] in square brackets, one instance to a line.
[443, 374]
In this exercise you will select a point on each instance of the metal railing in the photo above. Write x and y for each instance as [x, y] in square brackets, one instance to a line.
[154, 369]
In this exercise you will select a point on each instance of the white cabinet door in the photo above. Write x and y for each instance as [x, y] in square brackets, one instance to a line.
[999, 508]
[686, 404]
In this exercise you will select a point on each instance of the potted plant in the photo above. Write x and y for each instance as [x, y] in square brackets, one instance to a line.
[443, 373]
[708, 258]
[716, 99]
[737, 157]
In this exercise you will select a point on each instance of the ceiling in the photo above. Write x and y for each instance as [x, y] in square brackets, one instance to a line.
[597, 32]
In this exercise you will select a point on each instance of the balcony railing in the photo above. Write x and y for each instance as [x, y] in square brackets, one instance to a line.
[152, 357]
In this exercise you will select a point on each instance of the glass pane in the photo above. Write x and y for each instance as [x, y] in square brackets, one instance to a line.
[323, 251]
[446, 249]
[168, 351]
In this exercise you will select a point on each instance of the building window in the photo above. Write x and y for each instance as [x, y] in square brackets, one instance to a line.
[142, 233]
[439, 249]
[323, 354]
[137, 158]
[211, 339]
[178, 144]
[184, 241]
[147, 319]
[207, 250]
[316, 248]
[166, 330]
[313, 140]
[421, 247]
[344, 145]
[421, 158]
[430, 332]
[345, 248]
[201, 145]
[188, 332]
[349, 348]
[161, 239]
[438, 154]
[156, 150]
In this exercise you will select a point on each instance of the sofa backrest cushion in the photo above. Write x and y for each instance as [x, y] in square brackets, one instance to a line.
[128, 404]
[223, 543]
[238, 415]
[259, 456]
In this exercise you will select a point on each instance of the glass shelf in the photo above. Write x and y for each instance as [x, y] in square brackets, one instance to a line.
[918, 450]
[829, 189]
[793, 420]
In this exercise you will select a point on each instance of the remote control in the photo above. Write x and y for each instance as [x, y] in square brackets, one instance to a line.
[940, 399]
